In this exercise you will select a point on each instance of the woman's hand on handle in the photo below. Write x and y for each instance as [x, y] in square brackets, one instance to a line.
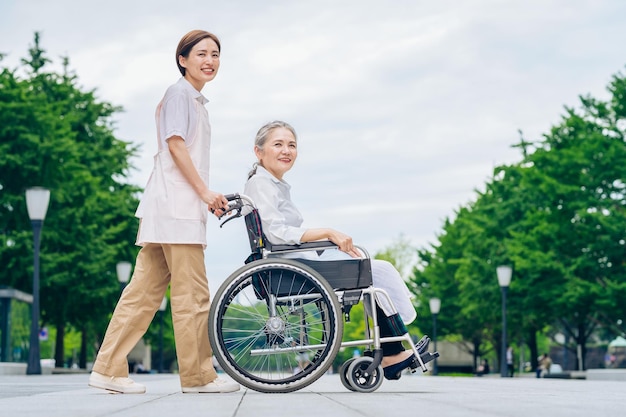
[216, 202]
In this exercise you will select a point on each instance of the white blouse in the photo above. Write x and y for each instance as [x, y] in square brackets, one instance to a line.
[280, 218]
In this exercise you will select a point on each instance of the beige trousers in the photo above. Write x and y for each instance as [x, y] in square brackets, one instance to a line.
[159, 265]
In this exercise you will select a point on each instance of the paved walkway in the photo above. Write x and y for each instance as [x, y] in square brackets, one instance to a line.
[413, 395]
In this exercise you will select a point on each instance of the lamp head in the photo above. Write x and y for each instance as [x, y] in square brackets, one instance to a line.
[504, 273]
[123, 271]
[435, 305]
[37, 200]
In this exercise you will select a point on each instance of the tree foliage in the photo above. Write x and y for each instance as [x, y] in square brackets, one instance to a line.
[558, 217]
[56, 135]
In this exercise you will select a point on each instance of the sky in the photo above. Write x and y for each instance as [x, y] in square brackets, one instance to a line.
[403, 108]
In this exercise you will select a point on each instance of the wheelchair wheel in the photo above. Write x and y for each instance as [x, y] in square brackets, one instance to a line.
[275, 325]
[343, 374]
[359, 380]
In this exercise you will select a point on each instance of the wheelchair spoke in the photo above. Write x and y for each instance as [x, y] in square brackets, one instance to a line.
[276, 326]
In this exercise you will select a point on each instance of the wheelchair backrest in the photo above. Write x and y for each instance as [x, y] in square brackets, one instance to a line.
[255, 231]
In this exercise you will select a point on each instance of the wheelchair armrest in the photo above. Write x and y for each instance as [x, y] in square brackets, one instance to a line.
[317, 245]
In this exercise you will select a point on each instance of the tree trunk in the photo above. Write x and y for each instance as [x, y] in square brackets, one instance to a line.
[476, 353]
[82, 358]
[59, 347]
[534, 351]
[582, 351]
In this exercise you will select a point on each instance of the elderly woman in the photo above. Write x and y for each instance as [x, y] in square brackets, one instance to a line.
[276, 149]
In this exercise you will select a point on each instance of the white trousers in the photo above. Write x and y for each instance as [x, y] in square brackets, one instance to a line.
[384, 277]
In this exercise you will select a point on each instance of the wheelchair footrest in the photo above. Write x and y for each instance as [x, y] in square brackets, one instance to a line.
[429, 356]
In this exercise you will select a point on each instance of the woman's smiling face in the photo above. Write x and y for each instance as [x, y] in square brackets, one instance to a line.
[279, 152]
[202, 63]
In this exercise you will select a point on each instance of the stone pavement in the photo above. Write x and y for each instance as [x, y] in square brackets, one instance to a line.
[69, 396]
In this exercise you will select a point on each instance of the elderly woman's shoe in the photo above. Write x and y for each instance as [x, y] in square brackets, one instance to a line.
[393, 372]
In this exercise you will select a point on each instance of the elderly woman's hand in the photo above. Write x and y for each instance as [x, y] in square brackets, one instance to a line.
[344, 242]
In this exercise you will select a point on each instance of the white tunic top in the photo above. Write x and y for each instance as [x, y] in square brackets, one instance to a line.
[170, 210]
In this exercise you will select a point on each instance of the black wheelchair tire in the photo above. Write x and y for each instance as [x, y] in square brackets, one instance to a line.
[252, 345]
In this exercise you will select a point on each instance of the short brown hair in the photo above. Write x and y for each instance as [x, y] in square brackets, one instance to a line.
[188, 41]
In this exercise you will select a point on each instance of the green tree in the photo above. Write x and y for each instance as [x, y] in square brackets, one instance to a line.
[54, 134]
[558, 217]
[459, 272]
[579, 177]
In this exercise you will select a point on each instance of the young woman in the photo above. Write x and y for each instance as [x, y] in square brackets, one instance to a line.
[172, 235]
[276, 149]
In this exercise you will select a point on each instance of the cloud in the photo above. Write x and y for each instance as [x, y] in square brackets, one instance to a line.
[403, 109]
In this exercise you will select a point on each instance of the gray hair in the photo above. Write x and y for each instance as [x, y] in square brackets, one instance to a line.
[263, 134]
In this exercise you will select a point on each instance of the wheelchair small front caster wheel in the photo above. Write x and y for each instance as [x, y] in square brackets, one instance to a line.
[360, 379]
[343, 374]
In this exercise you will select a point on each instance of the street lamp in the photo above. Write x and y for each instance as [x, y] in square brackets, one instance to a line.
[37, 200]
[123, 273]
[504, 273]
[435, 306]
[162, 308]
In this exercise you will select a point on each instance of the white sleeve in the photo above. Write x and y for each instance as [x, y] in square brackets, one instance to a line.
[176, 117]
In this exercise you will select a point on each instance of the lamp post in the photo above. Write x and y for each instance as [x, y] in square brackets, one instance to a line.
[123, 273]
[435, 306]
[37, 200]
[162, 308]
[504, 273]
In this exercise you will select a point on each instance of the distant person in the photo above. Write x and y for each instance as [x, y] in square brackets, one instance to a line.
[172, 234]
[140, 369]
[539, 369]
[510, 365]
[483, 368]
[276, 149]
[544, 365]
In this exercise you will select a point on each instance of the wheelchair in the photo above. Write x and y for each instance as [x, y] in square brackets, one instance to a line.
[276, 324]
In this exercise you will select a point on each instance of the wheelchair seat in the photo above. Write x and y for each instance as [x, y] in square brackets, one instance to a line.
[344, 274]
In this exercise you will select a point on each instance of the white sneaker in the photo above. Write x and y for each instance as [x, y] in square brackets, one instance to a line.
[216, 386]
[116, 384]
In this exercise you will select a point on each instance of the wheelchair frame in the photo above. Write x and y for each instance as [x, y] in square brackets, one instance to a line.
[273, 312]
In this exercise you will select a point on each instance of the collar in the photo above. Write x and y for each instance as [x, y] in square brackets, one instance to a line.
[265, 173]
[195, 94]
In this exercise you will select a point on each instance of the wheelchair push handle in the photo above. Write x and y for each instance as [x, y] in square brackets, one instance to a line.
[231, 197]
[236, 203]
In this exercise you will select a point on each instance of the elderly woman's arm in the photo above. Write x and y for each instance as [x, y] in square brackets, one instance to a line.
[340, 239]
